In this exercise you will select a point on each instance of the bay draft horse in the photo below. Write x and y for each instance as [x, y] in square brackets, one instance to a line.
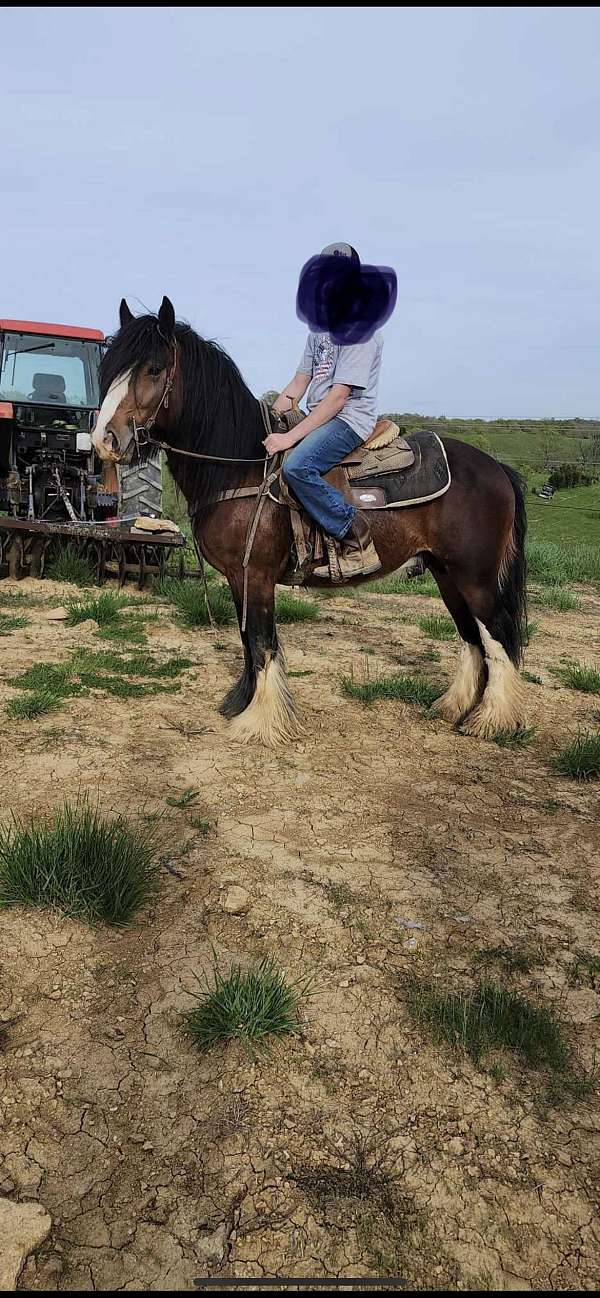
[157, 373]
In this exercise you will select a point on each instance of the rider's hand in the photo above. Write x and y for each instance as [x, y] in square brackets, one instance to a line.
[282, 404]
[277, 442]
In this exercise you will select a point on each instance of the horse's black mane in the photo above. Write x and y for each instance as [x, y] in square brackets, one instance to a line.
[219, 415]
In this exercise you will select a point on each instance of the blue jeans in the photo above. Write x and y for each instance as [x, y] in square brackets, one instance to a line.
[304, 468]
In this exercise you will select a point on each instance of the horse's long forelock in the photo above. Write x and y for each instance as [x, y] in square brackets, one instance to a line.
[218, 413]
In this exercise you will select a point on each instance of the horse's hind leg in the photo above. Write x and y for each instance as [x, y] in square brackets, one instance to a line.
[467, 686]
[503, 702]
[502, 707]
[260, 705]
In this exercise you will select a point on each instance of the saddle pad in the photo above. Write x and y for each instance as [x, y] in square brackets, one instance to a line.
[422, 481]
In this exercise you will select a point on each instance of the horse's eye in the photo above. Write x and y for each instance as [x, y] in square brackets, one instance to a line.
[155, 370]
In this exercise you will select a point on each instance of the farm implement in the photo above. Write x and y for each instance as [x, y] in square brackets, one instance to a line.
[54, 493]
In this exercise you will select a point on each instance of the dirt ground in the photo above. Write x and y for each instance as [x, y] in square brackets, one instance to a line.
[158, 1164]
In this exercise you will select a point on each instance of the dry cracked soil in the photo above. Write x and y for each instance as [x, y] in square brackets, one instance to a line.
[360, 1147]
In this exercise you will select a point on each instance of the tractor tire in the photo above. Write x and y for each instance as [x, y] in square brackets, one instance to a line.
[140, 489]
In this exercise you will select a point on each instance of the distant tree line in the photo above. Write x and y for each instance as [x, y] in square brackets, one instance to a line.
[583, 428]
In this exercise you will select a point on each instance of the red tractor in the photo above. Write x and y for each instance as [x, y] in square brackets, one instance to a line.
[53, 489]
[48, 401]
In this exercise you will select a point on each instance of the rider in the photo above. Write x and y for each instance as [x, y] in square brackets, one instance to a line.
[342, 382]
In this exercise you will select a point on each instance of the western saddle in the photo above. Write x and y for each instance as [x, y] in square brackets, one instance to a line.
[384, 452]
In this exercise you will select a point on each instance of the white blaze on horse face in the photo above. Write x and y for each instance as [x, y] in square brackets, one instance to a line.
[115, 395]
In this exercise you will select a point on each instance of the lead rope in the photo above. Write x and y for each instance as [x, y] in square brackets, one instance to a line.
[263, 491]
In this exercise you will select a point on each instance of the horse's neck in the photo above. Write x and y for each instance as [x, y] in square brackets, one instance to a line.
[237, 435]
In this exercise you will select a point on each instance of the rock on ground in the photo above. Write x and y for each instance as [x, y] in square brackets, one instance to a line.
[23, 1227]
[235, 901]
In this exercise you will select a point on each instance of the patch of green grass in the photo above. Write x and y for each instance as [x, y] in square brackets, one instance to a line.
[189, 598]
[340, 895]
[70, 566]
[126, 630]
[533, 680]
[188, 796]
[552, 564]
[531, 629]
[28, 706]
[395, 585]
[585, 970]
[310, 673]
[201, 823]
[490, 1018]
[137, 664]
[515, 738]
[410, 689]
[581, 758]
[122, 688]
[78, 862]
[250, 1006]
[431, 656]
[12, 622]
[577, 677]
[551, 806]
[105, 609]
[557, 597]
[512, 959]
[438, 626]
[289, 608]
[104, 670]
[53, 678]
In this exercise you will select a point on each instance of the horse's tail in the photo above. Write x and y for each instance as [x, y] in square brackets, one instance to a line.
[509, 622]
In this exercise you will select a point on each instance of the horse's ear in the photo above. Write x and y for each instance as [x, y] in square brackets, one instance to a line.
[125, 315]
[166, 320]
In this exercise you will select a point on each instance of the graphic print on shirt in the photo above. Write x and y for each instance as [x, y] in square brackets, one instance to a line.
[323, 357]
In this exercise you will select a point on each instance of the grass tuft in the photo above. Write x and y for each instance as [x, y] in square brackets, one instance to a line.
[11, 622]
[438, 626]
[577, 677]
[488, 1018]
[289, 608]
[410, 689]
[556, 597]
[512, 959]
[105, 609]
[185, 799]
[80, 863]
[189, 598]
[580, 759]
[72, 567]
[248, 1006]
[28, 706]
[514, 738]
[532, 678]
[395, 585]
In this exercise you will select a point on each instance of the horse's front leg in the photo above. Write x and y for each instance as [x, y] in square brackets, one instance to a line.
[260, 704]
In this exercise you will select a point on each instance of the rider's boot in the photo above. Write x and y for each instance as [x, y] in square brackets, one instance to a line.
[358, 557]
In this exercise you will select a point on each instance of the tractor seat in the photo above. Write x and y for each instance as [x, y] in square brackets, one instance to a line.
[48, 387]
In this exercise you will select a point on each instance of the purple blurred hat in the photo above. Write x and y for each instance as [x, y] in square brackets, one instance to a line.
[339, 296]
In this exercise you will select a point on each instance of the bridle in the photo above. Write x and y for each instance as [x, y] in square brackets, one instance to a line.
[141, 432]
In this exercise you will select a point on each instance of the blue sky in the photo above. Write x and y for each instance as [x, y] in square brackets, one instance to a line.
[207, 153]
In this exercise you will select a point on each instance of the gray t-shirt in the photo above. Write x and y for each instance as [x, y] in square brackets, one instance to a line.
[357, 366]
